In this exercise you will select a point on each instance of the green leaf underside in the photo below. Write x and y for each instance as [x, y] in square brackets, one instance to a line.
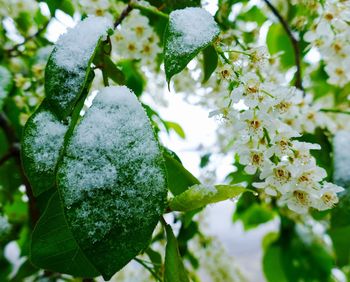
[174, 268]
[210, 62]
[5, 84]
[189, 31]
[200, 195]
[112, 180]
[69, 63]
[53, 246]
[43, 138]
[179, 178]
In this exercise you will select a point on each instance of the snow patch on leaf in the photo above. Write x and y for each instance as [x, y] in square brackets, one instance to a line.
[43, 139]
[69, 63]
[74, 48]
[112, 179]
[189, 31]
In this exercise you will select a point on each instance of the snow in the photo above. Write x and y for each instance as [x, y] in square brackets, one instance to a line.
[44, 137]
[112, 174]
[203, 190]
[67, 68]
[342, 158]
[75, 47]
[192, 28]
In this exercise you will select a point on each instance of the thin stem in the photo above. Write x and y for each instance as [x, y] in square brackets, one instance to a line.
[295, 44]
[154, 274]
[30, 37]
[335, 111]
[149, 9]
[239, 52]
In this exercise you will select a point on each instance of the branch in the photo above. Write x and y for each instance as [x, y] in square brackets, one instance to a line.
[134, 5]
[12, 152]
[14, 142]
[294, 41]
[27, 39]
[123, 15]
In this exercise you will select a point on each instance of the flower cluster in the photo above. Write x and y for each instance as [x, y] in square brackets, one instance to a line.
[269, 117]
[330, 35]
[136, 39]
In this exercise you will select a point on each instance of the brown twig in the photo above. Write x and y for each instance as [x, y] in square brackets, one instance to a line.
[27, 39]
[123, 15]
[14, 149]
[294, 41]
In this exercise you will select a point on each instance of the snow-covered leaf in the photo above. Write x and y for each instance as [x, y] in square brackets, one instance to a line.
[43, 138]
[53, 246]
[189, 31]
[67, 69]
[174, 267]
[201, 195]
[5, 84]
[112, 180]
[42, 142]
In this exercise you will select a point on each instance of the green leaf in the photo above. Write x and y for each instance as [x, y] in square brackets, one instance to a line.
[69, 64]
[5, 85]
[210, 62]
[112, 180]
[251, 212]
[176, 127]
[272, 264]
[253, 14]
[278, 41]
[113, 71]
[42, 142]
[297, 256]
[26, 269]
[179, 178]
[181, 4]
[189, 31]
[63, 5]
[53, 246]
[199, 196]
[174, 267]
[133, 78]
[156, 259]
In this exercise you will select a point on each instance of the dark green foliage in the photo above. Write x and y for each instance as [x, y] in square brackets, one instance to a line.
[174, 268]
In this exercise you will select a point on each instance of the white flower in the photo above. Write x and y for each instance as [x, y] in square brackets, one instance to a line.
[253, 159]
[282, 144]
[308, 175]
[338, 73]
[298, 199]
[302, 154]
[328, 196]
[278, 176]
